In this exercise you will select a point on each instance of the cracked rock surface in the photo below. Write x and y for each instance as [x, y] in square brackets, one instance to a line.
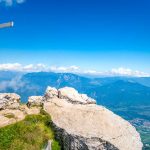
[9, 100]
[89, 127]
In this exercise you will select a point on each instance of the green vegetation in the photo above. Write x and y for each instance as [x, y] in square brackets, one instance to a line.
[32, 133]
[145, 132]
[9, 115]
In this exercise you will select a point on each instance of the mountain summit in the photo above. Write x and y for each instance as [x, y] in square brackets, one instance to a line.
[81, 124]
[76, 119]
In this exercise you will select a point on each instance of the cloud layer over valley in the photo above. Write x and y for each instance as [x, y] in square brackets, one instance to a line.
[71, 69]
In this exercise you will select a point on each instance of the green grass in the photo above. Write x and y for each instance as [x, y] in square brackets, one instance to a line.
[32, 133]
[9, 115]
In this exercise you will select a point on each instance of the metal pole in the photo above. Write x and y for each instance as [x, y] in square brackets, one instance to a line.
[8, 24]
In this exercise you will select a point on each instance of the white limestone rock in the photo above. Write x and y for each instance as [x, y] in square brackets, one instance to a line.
[73, 96]
[51, 92]
[35, 101]
[89, 127]
[79, 123]
[9, 100]
[69, 94]
[10, 116]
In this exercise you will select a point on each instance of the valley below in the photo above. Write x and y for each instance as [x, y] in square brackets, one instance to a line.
[140, 118]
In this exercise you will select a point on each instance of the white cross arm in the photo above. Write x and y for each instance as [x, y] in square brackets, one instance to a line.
[5, 25]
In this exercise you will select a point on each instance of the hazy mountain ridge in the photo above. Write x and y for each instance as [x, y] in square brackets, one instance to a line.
[121, 93]
[23, 83]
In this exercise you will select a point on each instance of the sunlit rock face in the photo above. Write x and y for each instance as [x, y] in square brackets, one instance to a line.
[80, 124]
[35, 101]
[70, 94]
[9, 101]
[73, 96]
[51, 92]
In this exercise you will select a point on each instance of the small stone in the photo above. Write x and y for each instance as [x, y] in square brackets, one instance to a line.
[35, 101]
[9, 100]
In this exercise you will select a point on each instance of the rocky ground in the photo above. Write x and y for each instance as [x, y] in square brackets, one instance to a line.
[78, 122]
[12, 111]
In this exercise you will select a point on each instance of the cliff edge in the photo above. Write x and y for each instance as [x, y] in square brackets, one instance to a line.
[81, 124]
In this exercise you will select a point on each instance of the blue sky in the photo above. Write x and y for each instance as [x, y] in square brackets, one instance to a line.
[91, 34]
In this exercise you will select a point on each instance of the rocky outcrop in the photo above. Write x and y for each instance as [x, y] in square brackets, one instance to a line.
[9, 116]
[35, 101]
[80, 125]
[51, 92]
[11, 111]
[78, 122]
[76, 142]
[70, 94]
[9, 100]
[73, 96]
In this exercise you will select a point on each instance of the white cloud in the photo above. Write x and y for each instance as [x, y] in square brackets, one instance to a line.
[11, 2]
[9, 66]
[92, 72]
[37, 68]
[14, 83]
[71, 69]
[118, 72]
[128, 72]
[23, 68]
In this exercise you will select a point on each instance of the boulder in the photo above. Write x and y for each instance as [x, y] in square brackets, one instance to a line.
[9, 101]
[35, 101]
[51, 92]
[73, 96]
[89, 127]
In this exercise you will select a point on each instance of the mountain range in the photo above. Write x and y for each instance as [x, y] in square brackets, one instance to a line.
[109, 91]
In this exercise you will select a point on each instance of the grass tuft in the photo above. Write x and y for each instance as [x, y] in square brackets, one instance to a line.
[9, 115]
[32, 133]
